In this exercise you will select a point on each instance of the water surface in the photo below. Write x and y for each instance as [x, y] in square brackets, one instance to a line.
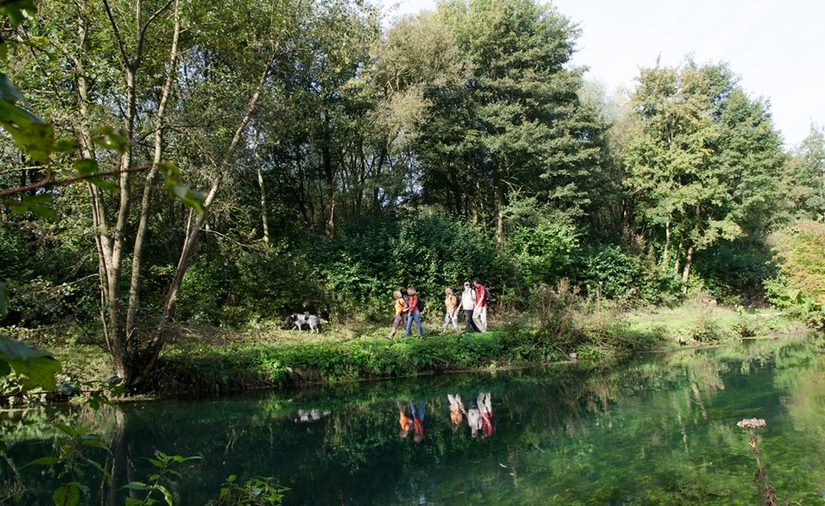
[659, 431]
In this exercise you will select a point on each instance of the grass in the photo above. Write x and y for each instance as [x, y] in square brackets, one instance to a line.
[209, 359]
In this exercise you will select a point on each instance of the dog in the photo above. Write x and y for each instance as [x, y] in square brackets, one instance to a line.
[313, 322]
[297, 321]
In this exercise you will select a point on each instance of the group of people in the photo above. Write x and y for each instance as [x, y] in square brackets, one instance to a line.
[411, 416]
[474, 300]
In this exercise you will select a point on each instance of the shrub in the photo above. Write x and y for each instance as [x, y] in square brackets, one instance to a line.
[541, 241]
[800, 285]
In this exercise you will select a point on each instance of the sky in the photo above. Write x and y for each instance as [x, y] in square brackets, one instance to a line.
[776, 47]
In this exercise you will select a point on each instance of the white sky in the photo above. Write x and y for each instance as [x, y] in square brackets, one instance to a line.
[777, 47]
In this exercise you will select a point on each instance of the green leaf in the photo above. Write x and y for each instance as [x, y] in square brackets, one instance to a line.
[66, 145]
[95, 443]
[43, 461]
[100, 469]
[36, 368]
[137, 485]
[68, 494]
[71, 431]
[30, 133]
[16, 11]
[86, 166]
[36, 204]
[108, 138]
[167, 495]
[103, 184]
[8, 92]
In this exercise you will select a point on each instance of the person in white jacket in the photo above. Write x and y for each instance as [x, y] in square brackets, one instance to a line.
[468, 304]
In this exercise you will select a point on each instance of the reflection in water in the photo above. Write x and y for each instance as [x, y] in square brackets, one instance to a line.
[661, 431]
[310, 415]
[456, 410]
[418, 420]
[404, 416]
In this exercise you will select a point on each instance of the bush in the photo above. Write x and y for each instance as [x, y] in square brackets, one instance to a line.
[734, 271]
[541, 242]
[800, 286]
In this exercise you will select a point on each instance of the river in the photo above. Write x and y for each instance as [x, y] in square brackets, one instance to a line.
[661, 430]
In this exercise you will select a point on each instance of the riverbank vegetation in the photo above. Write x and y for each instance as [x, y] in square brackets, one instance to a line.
[161, 175]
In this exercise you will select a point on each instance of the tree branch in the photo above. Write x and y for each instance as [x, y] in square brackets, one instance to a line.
[49, 183]
[117, 33]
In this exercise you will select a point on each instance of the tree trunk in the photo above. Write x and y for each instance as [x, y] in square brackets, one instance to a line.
[156, 345]
[499, 201]
[140, 235]
[264, 218]
[676, 268]
[666, 253]
[329, 173]
[99, 224]
[686, 273]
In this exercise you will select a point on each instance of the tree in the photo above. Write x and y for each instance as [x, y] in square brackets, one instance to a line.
[516, 124]
[705, 164]
[808, 172]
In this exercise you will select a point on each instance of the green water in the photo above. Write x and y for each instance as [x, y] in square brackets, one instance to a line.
[659, 431]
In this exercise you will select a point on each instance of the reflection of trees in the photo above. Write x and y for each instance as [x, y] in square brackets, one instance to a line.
[651, 432]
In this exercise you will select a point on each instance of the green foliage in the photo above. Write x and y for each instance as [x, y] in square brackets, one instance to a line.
[255, 491]
[704, 163]
[158, 486]
[541, 241]
[618, 273]
[800, 286]
[34, 368]
[808, 174]
[734, 271]
[75, 456]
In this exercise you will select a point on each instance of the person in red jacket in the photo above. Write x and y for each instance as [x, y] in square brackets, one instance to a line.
[414, 315]
[480, 309]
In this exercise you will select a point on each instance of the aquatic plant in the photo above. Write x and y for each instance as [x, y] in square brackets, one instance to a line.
[752, 424]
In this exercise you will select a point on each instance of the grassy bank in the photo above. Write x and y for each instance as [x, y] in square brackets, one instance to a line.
[210, 360]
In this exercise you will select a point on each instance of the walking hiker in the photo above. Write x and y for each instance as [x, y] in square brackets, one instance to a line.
[480, 309]
[468, 297]
[400, 306]
[451, 310]
[414, 313]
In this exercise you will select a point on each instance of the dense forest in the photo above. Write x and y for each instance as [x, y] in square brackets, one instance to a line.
[227, 162]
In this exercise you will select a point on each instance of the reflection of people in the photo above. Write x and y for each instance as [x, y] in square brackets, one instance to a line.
[486, 410]
[456, 410]
[450, 310]
[474, 419]
[468, 297]
[403, 420]
[418, 420]
[400, 306]
[480, 310]
[413, 315]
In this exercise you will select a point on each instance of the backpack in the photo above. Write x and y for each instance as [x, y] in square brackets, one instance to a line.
[486, 294]
[420, 305]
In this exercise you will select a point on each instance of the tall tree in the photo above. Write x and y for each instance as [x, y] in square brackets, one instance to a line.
[808, 172]
[516, 125]
[705, 164]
